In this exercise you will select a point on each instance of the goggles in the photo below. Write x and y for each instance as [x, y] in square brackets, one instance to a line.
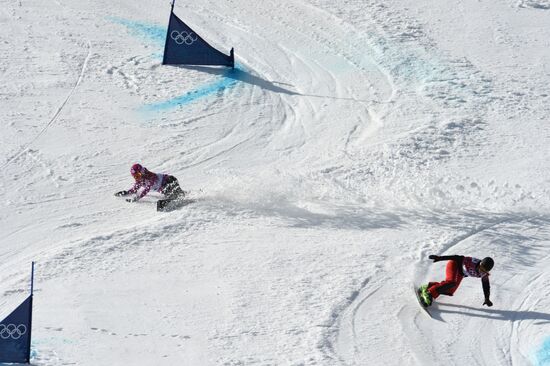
[136, 174]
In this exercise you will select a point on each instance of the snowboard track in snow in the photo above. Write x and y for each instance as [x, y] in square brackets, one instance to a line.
[58, 111]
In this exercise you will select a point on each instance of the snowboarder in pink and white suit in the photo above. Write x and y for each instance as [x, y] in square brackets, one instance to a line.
[146, 181]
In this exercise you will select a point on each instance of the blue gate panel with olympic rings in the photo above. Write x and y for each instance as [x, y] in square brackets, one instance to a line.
[185, 47]
[15, 334]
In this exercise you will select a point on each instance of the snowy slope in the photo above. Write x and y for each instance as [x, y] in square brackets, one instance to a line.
[353, 139]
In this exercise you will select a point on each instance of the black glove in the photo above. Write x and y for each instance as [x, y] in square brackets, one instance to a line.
[133, 199]
[121, 193]
[488, 303]
[435, 258]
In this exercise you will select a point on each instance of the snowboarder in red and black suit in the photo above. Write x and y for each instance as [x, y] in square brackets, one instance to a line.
[146, 180]
[457, 268]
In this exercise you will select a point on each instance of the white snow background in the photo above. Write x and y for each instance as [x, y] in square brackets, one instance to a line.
[354, 139]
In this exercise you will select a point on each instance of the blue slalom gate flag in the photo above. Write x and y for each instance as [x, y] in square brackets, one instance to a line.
[15, 332]
[185, 47]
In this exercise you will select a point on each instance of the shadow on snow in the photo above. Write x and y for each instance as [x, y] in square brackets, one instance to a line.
[246, 77]
[494, 314]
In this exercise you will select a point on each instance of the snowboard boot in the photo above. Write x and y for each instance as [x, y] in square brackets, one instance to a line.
[425, 295]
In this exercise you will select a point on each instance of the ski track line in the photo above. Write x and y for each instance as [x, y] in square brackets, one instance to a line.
[453, 68]
[333, 327]
[419, 351]
[459, 239]
[346, 310]
[531, 289]
[218, 154]
[220, 140]
[105, 249]
[354, 315]
[344, 25]
[323, 38]
[59, 109]
[515, 331]
[294, 112]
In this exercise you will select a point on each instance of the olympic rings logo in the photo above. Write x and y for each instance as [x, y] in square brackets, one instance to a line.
[184, 37]
[12, 331]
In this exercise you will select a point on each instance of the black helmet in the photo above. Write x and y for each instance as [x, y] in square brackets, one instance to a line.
[487, 263]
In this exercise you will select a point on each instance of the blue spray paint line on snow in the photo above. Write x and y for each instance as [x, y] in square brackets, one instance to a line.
[229, 79]
[542, 357]
[148, 31]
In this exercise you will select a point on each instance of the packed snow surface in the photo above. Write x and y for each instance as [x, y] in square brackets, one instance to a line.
[352, 140]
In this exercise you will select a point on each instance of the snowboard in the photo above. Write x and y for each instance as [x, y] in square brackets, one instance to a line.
[167, 205]
[416, 290]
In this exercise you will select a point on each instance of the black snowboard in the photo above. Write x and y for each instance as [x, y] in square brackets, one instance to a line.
[168, 205]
